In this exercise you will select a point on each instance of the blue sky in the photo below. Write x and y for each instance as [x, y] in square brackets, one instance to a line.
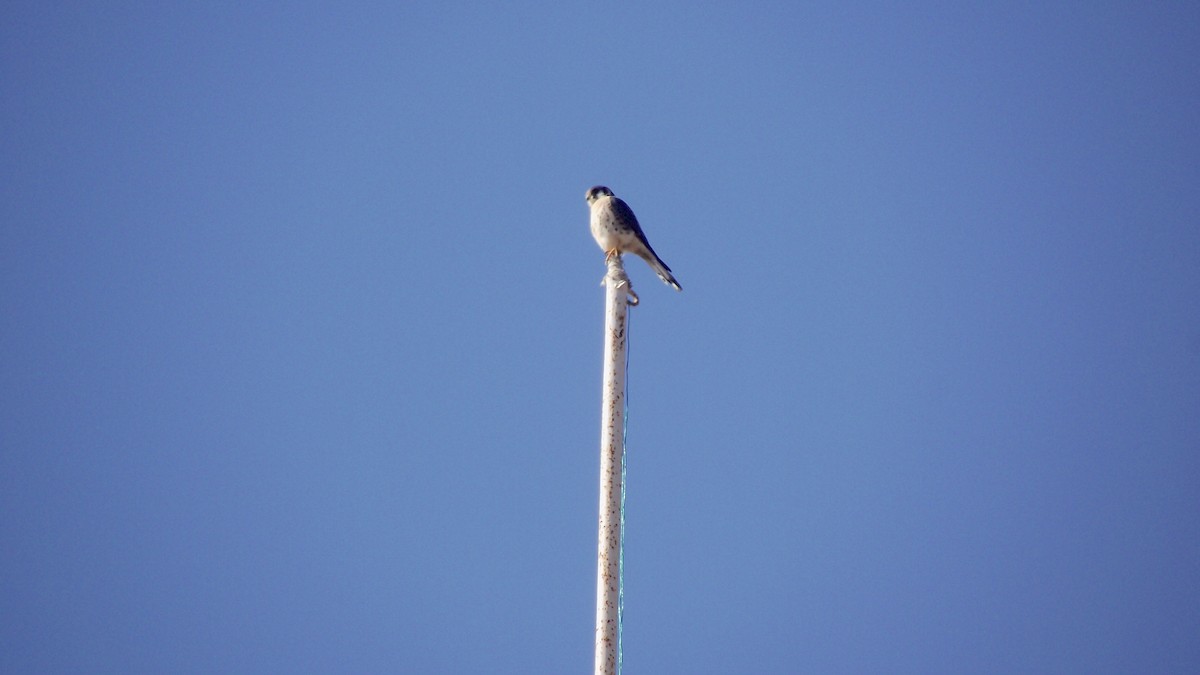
[302, 336]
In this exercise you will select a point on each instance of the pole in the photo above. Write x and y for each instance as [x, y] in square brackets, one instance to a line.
[612, 449]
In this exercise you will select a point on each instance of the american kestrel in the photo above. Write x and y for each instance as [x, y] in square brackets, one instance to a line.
[616, 229]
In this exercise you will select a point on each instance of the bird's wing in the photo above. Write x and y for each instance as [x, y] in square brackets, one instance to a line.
[625, 216]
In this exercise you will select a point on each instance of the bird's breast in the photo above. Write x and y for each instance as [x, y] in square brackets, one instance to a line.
[606, 231]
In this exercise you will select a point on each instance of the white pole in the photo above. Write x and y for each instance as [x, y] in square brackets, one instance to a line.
[612, 441]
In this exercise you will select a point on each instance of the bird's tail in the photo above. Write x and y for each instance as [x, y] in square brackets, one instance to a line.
[660, 268]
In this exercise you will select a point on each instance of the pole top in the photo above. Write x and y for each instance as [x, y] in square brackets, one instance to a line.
[616, 275]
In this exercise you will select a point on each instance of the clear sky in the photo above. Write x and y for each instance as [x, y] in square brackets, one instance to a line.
[301, 336]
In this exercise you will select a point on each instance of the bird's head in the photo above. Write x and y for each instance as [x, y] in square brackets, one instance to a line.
[596, 193]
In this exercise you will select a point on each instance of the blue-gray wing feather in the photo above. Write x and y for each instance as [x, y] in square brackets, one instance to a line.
[626, 220]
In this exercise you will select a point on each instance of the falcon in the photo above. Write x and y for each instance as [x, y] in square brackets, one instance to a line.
[616, 230]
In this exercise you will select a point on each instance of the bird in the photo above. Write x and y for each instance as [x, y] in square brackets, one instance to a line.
[616, 230]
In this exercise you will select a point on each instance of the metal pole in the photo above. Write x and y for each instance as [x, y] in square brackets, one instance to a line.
[612, 440]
